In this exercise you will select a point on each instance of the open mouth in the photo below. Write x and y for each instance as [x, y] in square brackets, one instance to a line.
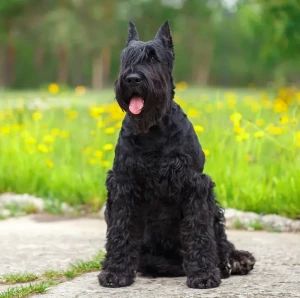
[136, 105]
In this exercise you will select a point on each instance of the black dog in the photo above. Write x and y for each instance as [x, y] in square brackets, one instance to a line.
[161, 213]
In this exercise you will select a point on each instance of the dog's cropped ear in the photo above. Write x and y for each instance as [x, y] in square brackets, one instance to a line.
[132, 33]
[164, 35]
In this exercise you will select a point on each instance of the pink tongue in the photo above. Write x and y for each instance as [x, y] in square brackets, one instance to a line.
[136, 104]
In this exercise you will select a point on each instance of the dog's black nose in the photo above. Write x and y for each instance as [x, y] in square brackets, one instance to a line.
[133, 79]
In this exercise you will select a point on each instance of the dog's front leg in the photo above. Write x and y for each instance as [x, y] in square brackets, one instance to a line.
[124, 237]
[198, 242]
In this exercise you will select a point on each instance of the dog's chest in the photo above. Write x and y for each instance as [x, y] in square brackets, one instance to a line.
[161, 175]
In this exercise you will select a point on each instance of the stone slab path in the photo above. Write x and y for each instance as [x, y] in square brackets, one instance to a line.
[37, 243]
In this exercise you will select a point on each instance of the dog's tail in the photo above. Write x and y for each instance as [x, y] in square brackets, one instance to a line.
[241, 262]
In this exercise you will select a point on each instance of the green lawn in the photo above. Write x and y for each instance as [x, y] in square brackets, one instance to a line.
[251, 139]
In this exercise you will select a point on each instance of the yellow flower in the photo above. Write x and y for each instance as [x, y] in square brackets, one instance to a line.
[5, 130]
[236, 118]
[219, 104]
[30, 141]
[260, 122]
[280, 106]
[30, 149]
[274, 130]
[206, 152]
[93, 133]
[248, 157]
[255, 107]
[284, 120]
[80, 90]
[96, 111]
[64, 134]
[259, 134]
[37, 116]
[231, 100]
[109, 130]
[118, 124]
[100, 124]
[87, 150]
[55, 132]
[192, 113]
[209, 108]
[25, 134]
[92, 161]
[239, 130]
[98, 153]
[297, 135]
[106, 163]
[53, 88]
[48, 139]
[242, 137]
[198, 128]
[43, 148]
[181, 86]
[16, 127]
[50, 163]
[108, 147]
[72, 114]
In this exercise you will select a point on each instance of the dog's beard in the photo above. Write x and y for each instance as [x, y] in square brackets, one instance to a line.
[154, 91]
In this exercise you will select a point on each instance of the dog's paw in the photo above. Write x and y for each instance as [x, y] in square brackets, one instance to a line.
[114, 280]
[225, 269]
[242, 262]
[205, 280]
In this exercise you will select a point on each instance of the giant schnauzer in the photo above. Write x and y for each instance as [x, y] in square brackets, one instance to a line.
[161, 213]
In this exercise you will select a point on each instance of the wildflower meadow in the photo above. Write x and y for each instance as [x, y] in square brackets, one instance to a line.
[58, 144]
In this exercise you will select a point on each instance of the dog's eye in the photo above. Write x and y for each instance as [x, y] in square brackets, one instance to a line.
[152, 59]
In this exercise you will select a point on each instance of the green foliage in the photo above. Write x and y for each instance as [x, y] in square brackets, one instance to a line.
[79, 42]
[63, 154]
[284, 27]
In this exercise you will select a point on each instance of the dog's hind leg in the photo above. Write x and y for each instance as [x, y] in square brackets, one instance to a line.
[231, 261]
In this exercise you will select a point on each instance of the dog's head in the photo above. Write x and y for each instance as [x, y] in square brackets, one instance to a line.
[144, 88]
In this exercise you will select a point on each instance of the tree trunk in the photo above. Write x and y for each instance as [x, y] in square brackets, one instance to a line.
[101, 68]
[2, 82]
[106, 56]
[62, 65]
[10, 63]
[76, 75]
[202, 69]
[98, 75]
[39, 58]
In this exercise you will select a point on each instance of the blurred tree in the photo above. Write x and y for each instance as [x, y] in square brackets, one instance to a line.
[197, 29]
[283, 19]
[79, 41]
[10, 11]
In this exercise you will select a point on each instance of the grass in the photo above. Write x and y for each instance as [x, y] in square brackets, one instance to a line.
[238, 225]
[256, 225]
[48, 278]
[12, 278]
[16, 209]
[24, 291]
[251, 140]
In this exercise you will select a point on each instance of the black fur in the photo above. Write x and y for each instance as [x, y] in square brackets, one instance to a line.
[161, 213]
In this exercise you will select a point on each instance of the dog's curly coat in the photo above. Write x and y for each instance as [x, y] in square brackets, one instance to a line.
[162, 216]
